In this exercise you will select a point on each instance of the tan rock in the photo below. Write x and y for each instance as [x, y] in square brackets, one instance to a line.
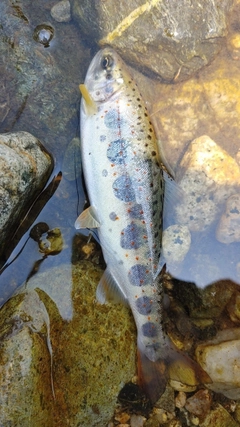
[220, 359]
[219, 417]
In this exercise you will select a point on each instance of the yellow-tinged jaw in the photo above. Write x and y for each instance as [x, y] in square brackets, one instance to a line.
[90, 104]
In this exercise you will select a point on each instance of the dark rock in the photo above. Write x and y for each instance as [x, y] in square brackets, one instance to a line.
[25, 167]
[169, 39]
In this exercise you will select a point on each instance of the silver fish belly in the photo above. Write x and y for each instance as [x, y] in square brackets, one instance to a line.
[125, 187]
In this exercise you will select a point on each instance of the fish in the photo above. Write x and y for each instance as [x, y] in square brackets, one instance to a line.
[125, 185]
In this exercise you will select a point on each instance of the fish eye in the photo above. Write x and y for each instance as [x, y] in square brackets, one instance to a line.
[107, 62]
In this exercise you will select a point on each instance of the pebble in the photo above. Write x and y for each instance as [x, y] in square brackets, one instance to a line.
[199, 404]
[228, 229]
[176, 242]
[123, 418]
[61, 11]
[180, 399]
[137, 421]
[219, 417]
[220, 359]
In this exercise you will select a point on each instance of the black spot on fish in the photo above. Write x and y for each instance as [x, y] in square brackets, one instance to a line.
[144, 305]
[149, 330]
[131, 237]
[139, 275]
[123, 188]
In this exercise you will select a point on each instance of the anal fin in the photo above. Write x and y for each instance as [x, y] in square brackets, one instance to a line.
[108, 290]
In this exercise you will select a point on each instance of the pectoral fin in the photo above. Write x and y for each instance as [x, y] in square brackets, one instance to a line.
[90, 104]
[87, 219]
[108, 290]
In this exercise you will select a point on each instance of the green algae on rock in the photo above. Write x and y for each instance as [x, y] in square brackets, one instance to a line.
[93, 349]
[26, 393]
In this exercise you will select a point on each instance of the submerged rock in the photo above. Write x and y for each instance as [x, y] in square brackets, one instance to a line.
[25, 167]
[169, 39]
[207, 175]
[26, 389]
[61, 11]
[220, 359]
[228, 229]
[176, 242]
[92, 348]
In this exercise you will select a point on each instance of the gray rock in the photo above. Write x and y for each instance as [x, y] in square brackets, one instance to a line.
[61, 11]
[170, 39]
[25, 167]
[228, 229]
[39, 82]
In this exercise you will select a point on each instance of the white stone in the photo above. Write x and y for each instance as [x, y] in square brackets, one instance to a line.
[220, 359]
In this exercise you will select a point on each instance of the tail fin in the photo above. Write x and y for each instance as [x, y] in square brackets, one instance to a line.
[175, 365]
[152, 376]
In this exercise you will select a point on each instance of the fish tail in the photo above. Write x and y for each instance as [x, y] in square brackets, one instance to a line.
[173, 364]
[152, 376]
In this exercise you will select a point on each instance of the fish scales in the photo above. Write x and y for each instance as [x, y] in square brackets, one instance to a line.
[125, 187]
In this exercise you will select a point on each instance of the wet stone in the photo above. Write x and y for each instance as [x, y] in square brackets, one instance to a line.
[57, 316]
[61, 11]
[219, 358]
[138, 32]
[208, 175]
[24, 169]
[176, 242]
[228, 229]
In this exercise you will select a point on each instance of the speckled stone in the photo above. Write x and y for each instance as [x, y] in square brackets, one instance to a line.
[24, 169]
[228, 229]
[176, 242]
[208, 175]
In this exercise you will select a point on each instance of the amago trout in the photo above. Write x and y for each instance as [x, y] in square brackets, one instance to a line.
[125, 187]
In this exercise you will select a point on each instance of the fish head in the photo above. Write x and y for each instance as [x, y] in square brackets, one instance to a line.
[105, 76]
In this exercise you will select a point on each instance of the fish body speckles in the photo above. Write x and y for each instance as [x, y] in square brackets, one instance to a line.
[125, 188]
